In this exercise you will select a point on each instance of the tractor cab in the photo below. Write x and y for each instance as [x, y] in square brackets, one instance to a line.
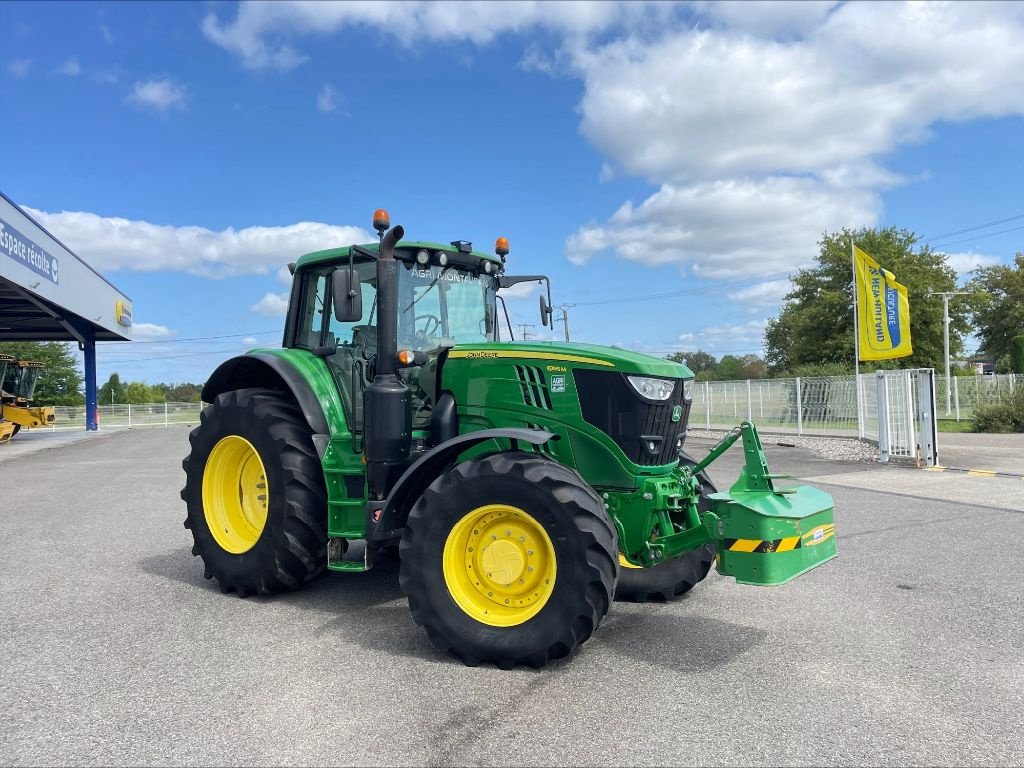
[19, 381]
[445, 296]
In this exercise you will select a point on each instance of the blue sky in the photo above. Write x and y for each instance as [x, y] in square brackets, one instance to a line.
[189, 151]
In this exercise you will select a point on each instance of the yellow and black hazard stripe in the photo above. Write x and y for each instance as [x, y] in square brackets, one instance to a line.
[765, 546]
[762, 545]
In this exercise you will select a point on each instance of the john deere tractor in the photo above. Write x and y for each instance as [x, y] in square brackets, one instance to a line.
[524, 485]
[17, 393]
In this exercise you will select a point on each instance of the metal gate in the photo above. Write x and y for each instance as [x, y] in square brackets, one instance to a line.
[907, 428]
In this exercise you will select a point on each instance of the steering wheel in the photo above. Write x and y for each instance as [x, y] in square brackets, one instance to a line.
[431, 324]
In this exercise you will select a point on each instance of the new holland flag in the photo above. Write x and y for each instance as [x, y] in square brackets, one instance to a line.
[883, 311]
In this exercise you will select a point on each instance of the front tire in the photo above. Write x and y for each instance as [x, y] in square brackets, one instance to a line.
[509, 558]
[257, 505]
[674, 577]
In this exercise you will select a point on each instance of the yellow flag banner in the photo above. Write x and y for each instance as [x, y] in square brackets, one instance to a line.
[883, 311]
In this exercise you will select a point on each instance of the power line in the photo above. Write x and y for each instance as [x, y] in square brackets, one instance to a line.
[979, 237]
[971, 229]
[753, 280]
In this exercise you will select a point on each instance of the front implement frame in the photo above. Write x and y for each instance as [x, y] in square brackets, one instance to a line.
[752, 519]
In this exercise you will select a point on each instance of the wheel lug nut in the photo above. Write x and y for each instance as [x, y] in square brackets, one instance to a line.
[529, 568]
[522, 538]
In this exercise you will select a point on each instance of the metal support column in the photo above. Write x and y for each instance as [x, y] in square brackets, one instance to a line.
[89, 349]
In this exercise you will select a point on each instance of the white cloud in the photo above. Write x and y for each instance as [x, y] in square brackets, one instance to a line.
[160, 94]
[106, 34]
[964, 263]
[766, 127]
[19, 68]
[327, 99]
[70, 68]
[731, 338]
[779, 19]
[272, 305]
[872, 76]
[261, 33]
[284, 275]
[112, 243]
[151, 331]
[767, 294]
[728, 228]
[250, 340]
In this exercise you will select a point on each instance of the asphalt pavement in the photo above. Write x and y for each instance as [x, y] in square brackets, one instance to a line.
[114, 650]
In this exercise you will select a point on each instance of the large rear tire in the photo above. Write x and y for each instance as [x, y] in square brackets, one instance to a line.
[257, 504]
[509, 558]
[674, 577]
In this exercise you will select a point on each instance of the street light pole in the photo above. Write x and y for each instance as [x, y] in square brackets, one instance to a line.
[565, 318]
[945, 338]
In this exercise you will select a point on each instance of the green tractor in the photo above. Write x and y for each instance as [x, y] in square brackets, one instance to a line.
[524, 485]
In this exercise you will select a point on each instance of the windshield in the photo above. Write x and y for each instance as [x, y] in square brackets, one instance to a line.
[443, 306]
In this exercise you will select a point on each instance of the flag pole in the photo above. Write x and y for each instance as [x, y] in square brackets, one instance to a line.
[856, 343]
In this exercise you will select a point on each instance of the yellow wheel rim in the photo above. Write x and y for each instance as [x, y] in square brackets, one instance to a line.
[235, 494]
[499, 565]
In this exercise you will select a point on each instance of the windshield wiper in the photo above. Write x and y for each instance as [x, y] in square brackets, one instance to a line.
[429, 288]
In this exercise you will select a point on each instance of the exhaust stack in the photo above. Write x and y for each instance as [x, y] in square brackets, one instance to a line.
[387, 412]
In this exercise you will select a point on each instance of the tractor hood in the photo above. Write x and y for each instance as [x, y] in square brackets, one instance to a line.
[573, 355]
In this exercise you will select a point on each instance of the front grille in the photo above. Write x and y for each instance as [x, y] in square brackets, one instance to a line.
[643, 430]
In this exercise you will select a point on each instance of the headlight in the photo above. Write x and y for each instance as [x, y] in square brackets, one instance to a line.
[688, 390]
[653, 389]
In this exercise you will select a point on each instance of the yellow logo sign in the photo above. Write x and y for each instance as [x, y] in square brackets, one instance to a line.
[123, 313]
[819, 535]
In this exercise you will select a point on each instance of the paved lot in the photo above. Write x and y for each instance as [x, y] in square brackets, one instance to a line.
[115, 650]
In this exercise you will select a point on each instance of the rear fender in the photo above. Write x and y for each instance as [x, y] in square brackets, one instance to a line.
[265, 370]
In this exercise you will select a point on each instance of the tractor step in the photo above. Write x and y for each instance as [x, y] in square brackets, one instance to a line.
[351, 555]
[769, 538]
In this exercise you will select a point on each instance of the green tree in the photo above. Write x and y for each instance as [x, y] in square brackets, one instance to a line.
[59, 382]
[1017, 354]
[182, 393]
[998, 307]
[815, 325]
[698, 361]
[138, 392]
[111, 392]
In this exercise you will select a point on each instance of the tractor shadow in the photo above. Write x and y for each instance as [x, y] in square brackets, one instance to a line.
[370, 611]
[367, 609]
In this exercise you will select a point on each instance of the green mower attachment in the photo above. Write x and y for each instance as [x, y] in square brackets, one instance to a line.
[762, 535]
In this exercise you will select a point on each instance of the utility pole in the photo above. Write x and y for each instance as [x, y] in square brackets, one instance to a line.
[945, 337]
[526, 333]
[565, 318]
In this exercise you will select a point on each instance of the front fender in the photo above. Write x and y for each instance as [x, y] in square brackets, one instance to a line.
[387, 518]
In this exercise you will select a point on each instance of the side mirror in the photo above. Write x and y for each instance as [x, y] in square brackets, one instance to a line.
[346, 295]
[545, 312]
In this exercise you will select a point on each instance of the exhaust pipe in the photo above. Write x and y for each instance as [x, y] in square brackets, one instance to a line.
[387, 303]
[387, 411]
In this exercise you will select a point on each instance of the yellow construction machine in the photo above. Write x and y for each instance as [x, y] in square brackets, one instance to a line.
[7, 429]
[16, 393]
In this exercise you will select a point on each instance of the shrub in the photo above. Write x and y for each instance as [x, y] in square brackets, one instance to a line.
[1005, 416]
